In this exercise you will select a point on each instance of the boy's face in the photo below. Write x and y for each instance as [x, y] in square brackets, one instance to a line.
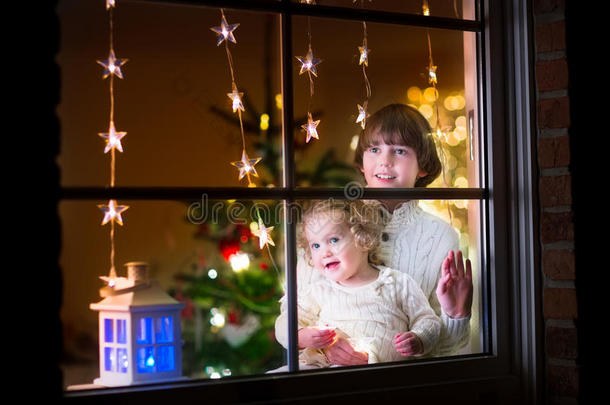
[393, 166]
[332, 248]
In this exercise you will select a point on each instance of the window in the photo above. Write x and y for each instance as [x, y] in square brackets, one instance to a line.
[495, 220]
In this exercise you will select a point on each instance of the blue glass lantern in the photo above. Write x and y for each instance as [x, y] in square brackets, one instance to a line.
[139, 331]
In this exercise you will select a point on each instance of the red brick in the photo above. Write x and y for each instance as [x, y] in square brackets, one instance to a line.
[559, 264]
[562, 380]
[554, 113]
[552, 75]
[555, 191]
[554, 152]
[551, 37]
[560, 303]
[556, 227]
[561, 343]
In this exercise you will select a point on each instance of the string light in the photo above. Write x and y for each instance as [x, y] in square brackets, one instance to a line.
[225, 34]
[364, 62]
[263, 234]
[309, 64]
[112, 211]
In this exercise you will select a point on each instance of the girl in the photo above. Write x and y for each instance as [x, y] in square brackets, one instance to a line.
[381, 312]
[397, 150]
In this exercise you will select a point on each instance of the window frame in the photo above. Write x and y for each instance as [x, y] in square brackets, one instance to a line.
[510, 368]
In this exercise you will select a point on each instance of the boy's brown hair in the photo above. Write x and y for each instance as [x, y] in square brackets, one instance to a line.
[400, 124]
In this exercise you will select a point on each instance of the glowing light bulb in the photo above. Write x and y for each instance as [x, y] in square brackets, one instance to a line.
[362, 115]
[150, 361]
[364, 55]
[212, 273]
[235, 97]
[264, 123]
[239, 261]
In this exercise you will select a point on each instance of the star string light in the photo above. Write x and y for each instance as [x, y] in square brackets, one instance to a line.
[225, 34]
[264, 234]
[112, 211]
[309, 64]
[439, 136]
[364, 62]
[310, 128]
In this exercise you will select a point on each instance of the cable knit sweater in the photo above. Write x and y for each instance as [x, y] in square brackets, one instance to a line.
[414, 242]
[369, 316]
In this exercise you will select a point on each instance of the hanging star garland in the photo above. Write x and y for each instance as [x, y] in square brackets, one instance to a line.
[225, 34]
[364, 62]
[309, 64]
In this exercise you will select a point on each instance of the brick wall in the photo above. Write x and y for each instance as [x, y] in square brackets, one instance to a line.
[559, 295]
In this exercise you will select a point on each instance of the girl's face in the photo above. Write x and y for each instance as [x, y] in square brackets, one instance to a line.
[332, 248]
[393, 166]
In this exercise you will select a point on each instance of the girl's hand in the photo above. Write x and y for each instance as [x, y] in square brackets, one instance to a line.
[408, 344]
[315, 338]
[454, 290]
[342, 353]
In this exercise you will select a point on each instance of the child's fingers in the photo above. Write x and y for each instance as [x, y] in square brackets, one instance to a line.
[468, 269]
[460, 264]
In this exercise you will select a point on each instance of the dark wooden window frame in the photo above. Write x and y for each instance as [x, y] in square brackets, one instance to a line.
[508, 371]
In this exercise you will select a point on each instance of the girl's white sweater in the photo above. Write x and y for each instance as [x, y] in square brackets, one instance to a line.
[416, 243]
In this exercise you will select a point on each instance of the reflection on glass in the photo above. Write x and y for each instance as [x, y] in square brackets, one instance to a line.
[164, 329]
[144, 331]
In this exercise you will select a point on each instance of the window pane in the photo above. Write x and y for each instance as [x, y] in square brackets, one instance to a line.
[205, 255]
[121, 330]
[165, 356]
[164, 329]
[397, 72]
[357, 292]
[123, 360]
[108, 330]
[109, 359]
[172, 101]
[146, 359]
[461, 9]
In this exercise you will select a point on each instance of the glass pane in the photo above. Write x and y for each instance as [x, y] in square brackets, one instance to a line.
[461, 9]
[443, 114]
[123, 360]
[146, 359]
[144, 331]
[172, 100]
[109, 359]
[108, 334]
[166, 360]
[164, 329]
[353, 262]
[121, 331]
[206, 255]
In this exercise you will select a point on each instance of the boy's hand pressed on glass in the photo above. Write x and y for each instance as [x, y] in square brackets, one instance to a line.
[454, 290]
[316, 338]
[408, 344]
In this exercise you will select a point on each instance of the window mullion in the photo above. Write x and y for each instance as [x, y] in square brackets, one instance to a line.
[289, 184]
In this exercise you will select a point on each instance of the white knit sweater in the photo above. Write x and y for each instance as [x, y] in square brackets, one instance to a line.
[414, 242]
[369, 315]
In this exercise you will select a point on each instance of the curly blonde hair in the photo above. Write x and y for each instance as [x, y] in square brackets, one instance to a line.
[363, 217]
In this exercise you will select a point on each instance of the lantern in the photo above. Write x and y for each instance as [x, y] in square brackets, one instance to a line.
[139, 331]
